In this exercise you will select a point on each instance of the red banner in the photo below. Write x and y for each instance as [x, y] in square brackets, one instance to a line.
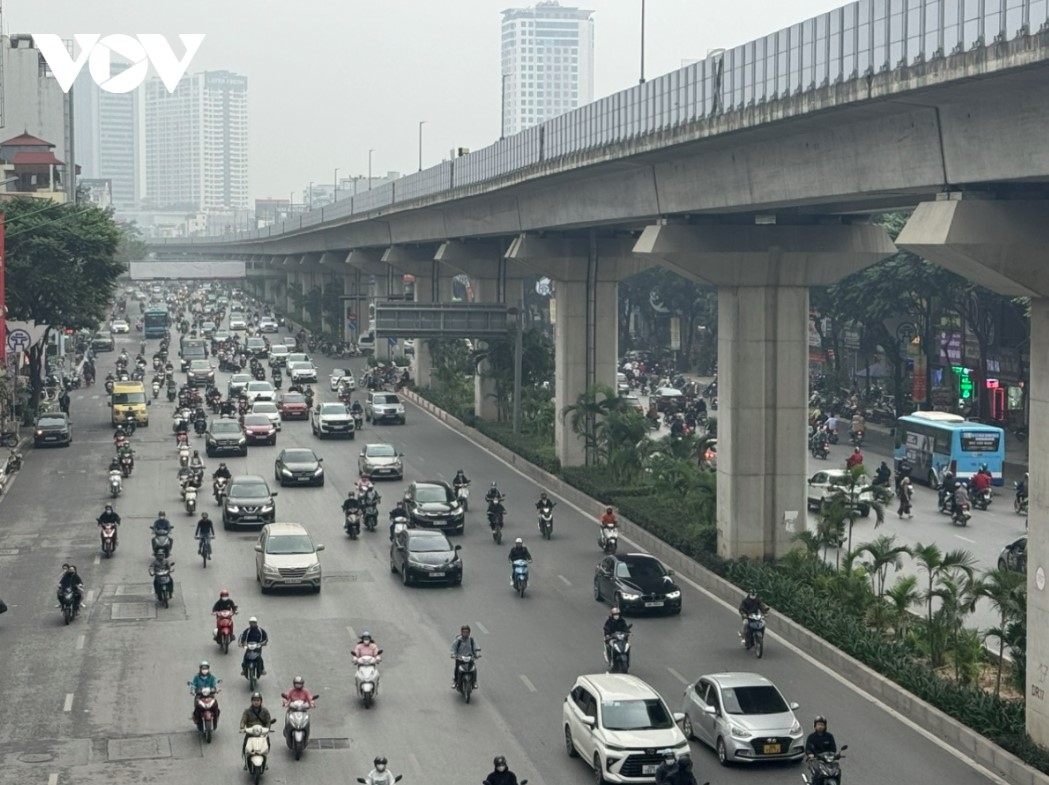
[918, 391]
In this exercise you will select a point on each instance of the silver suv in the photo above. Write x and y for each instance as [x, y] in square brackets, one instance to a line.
[383, 407]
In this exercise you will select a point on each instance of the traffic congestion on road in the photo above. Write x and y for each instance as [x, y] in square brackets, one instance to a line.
[102, 694]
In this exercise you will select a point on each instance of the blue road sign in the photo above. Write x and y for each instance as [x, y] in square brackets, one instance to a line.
[391, 342]
[352, 325]
[18, 340]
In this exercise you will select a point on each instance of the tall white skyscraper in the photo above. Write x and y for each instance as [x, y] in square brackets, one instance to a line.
[107, 136]
[197, 142]
[548, 63]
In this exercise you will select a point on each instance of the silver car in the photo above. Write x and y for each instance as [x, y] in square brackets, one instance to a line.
[380, 460]
[286, 556]
[743, 717]
[302, 371]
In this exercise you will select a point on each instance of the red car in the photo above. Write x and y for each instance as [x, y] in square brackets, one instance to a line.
[259, 430]
[292, 406]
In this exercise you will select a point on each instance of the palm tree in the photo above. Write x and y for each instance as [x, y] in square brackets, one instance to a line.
[935, 563]
[903, 596]
[884, 553]
[585, 417]
[955, 590]
[1007, 592]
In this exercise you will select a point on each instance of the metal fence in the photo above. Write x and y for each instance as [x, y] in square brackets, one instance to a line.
[862, 38]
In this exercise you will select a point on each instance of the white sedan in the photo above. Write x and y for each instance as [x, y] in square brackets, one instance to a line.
[260, 391]
[269, 409]
[119, 326]
[341, 377]
[302, 372]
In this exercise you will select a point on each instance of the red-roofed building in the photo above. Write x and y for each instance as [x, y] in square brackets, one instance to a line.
[30, 168]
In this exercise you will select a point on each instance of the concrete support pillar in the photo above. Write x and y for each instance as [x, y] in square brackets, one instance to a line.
[1001, 245]
[485, 290]
[762, 274]
[586, 272]
[432, 285]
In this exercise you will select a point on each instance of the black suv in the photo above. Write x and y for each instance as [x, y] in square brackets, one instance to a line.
[225, 435]
[53, 428]
[433, 504]
[248, 502]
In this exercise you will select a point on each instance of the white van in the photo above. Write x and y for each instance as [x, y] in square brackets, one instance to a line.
[366, 343]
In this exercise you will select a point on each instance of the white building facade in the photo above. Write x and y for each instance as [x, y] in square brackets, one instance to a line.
[107, 136]
[196, 142]
[547, 63]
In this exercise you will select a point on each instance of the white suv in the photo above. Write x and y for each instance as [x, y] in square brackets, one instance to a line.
[824, 483]
[619, 725]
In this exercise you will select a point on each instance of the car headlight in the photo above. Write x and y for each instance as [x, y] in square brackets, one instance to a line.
[270, 569]
[267, 507]
[232, 508]
[626, 596]
[319, 470]
[795, 728]
[673, 595]
[738, 732]
[315, 567]
[242, 440]
[286, 471]
[39, 433]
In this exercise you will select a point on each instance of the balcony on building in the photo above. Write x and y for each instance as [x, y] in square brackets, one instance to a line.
[29, 168]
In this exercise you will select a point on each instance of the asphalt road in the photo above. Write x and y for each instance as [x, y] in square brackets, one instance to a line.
[104, 699]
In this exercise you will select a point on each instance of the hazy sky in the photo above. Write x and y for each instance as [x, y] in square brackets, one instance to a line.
[329, 80]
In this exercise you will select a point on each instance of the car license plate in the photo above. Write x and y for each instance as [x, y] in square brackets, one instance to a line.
[771, 749]
[437, 574]
[292, 580]
[654, 604]
[649, 768]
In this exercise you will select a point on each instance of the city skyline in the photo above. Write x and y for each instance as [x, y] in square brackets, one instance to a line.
[361, 77]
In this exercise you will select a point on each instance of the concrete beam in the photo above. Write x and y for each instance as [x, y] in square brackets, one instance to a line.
[401, 256]
[335, 260]
[564, 259]
[997, 244]
[368, 260]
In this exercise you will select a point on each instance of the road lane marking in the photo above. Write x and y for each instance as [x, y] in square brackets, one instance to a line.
[965, 538]
[819, 665]
[677, 675]
[69, 702]
[90, 596]
[52, 778]
[416, 765]
[563, 578]
[353, 635]
[80, 641]
[98, 559]
[528, 683]
[481, 627]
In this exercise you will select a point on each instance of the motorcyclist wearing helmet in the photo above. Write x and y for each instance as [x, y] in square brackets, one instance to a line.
[463, 645]
[205, 530]
[460, 479]
[366, 647]
[398, 511]
[203, 678]
[256, 714]
[69, 579]
[114, 465]
[108, 516]
[666, 772]
[222, 471]
[1021, 489]
[162, 525]
[298, 692]
[948, 485]
[545, 503]
[493, 494]
[351, 502]
[196, 462]
[356, 408]
[820, 740]
[380, 775]
[518, 551]
[224, 603]
[253, 634]
[613, 624]
[981, 481]
[751, 604]
[501, 774]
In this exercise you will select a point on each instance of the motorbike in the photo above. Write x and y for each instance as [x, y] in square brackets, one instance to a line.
[204, 549]
[754, 638]
[608, 539]
[520, 573]
[200, 425]
[109, 539]
[206, 709]
[172, 391]
[961, 515]
[68, 604]
[183, 454]
[495, 521]
[252, 672]
[223, 634]
[257, 750]
[819, 450]
[191, 499]
[462, 493]
[825, 768]
[161, 542]
[367, 678]
[982, 500]
[371, 517]
[856, 438]
[163, 585]
[156, 390]
[219, 489]
[115, 483]
[392, 778]
[1020, 502]
[358, 421]
[617, 652]
[353, 524]
[546, 522]
[466, 675]
[127, 465]
[297, 725]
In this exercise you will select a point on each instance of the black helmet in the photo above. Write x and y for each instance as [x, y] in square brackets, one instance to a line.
[256, 696]
[499, 761]
[380, 760]
[203, 515]
[298, 681]
[820, 718]
[464, 628]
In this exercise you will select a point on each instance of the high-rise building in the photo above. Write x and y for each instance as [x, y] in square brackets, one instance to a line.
[196, 141]
[107, 136]
[548, 63]
[33, 101]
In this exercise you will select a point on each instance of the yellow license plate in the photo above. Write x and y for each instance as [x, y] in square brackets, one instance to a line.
[772, 749]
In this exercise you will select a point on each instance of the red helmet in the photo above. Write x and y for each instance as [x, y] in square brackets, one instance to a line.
[224, 593]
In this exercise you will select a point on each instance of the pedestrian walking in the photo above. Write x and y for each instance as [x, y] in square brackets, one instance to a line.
[63, 402]
[905, 491]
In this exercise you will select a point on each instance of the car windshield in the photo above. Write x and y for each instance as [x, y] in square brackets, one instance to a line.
[337, 373]
[240, 378]
[333, 408]
[288, 544]
[294, 398]
[428, 545]
[123, 399]
[648, 714]
[200, 365]
[385, 399]
[279, 349]
[250, 490]
[44, 422]
[299, 456]
[264, 407]
[380, 451]
[260, 387]
[226, 427]
[761, 699]
[431, 493]
[256, 419]
[640, 570]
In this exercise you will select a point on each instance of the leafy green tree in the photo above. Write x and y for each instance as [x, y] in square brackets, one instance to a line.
[884, 553]
[132, 247]
[846, 502]
[935, 563]
[1007, 592]
[61, 268]
[537, 365]
[585, 417]
[903, 596]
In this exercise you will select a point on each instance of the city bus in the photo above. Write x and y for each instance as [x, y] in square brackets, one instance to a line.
[155, 322]
[936, 441]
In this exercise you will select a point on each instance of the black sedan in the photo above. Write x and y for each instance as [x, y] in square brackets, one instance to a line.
[298, 466]
[425, 557]
[53, 428]
[637, 582]
[434, 505]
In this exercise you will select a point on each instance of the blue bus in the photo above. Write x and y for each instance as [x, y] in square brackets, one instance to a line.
[936, 441]
[155, 322]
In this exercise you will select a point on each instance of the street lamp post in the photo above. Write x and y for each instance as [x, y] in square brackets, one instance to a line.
[421, 124]
[370, 169]
[335, 192]
[502, 115]
[642, 42]
[311, 195]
